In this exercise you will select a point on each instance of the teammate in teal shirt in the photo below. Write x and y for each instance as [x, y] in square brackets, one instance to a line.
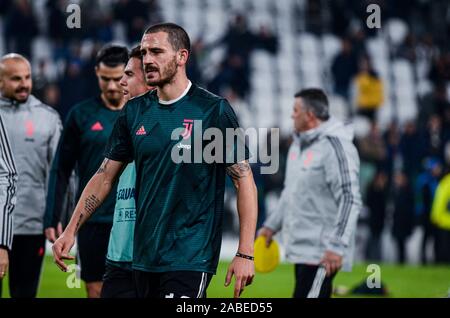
[120, 248]
[179, 205]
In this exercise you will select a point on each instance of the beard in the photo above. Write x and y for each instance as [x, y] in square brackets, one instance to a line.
[22, 98]
[167, 75]
[114, 98]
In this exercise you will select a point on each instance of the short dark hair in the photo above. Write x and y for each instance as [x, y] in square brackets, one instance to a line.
[112, 55]
[177, 36]
[136, 52]
[315, 101]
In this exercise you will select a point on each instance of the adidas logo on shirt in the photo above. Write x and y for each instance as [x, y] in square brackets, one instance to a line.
[141, 131]
[97, 127]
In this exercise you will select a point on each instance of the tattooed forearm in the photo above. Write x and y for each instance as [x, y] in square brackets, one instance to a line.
[103, 166]
[90, 204]
[79, 222]
[239, 170]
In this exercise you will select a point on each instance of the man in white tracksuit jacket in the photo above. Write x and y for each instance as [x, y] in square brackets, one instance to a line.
[321, 200]
[33, 130]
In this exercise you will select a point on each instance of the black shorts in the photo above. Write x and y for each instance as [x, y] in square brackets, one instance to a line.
[93, 239]
[118, 283]
[25, 264]
[180, 284]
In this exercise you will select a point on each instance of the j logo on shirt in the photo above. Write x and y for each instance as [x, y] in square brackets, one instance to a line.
[309, 158]
[188, 123]
[29, 131]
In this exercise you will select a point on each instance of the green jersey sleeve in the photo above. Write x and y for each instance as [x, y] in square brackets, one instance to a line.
[235, 148]
[120, 147]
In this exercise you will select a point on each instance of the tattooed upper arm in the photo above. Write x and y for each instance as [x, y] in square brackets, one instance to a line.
[239, 170]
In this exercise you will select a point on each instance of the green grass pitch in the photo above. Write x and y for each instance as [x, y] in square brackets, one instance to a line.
[401, 281]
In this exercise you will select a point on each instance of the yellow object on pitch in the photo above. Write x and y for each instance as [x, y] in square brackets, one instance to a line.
[266, 258]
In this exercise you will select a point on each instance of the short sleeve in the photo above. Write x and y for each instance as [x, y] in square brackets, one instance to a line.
[235, 148]
[119, 147]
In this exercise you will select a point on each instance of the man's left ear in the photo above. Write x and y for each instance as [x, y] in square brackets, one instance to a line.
[311, 115]
[183, 56]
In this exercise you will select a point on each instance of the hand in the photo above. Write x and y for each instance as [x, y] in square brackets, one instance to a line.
[332, 262]
[267, 233]
[51, 234]
[244, 271]
[61, 249]
[4, 262]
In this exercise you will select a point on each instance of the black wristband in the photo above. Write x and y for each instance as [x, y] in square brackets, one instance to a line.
[251, 258]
